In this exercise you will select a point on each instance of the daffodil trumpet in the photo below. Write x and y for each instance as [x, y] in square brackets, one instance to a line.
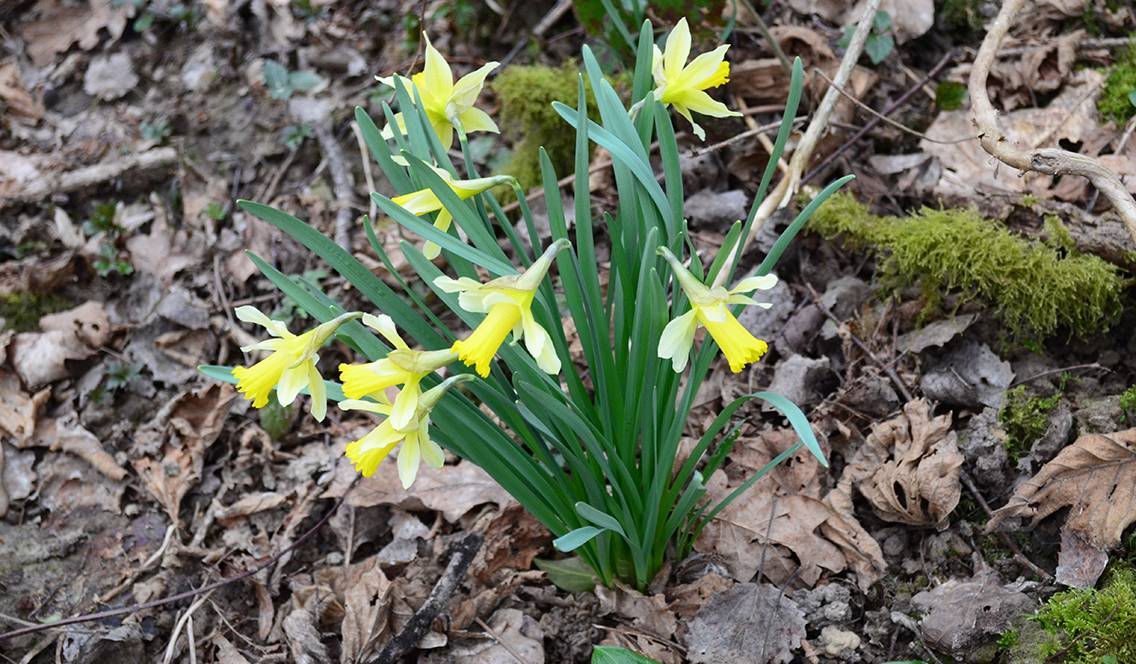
[710, 308]
[448, 105]
[507, 305]
[683, 86]
[368, 452]
[425, 201]
[402, 366]
[291, 366]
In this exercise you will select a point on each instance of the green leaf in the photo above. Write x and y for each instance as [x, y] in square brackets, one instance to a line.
[276, 80]
[302, 81]
[569, 574]
[1132, 97]
[881, 22]
[797, 419]
[616, 655]
[576, 538]
[599, 518]
[879, 47]
[949, 95]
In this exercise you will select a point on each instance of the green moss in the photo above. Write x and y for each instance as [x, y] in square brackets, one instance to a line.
[1035, 289]
[22, 311]
[1008, 639]
[1115, 100]
[963, 15]
[526, 93]
[1029, 200]
[1086, 625]
[1025, 418]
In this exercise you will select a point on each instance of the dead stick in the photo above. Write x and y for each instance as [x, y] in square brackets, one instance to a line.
[888, 110]
[461, 555]
[111, 613]
[1051, 161]
[340, 179]
[1010, 544]
[81, 178]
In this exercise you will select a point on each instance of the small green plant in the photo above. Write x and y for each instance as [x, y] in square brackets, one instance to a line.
[282, 83]
[1087, 625]
[215, 211]
[21, 311]
[1035, 289]
[1008, 639]
[119, 375]
[1025, 418]
[962, 15]
[294, 136]
[102, 220]
[950, 95]
[880, 42]
[157, 131]
[587, 442]
[1128, 405]
[111, 260]
[308, 10]
[1117, 99]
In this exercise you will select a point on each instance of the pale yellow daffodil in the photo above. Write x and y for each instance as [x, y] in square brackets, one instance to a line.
[402, 366]
[292, 365]
[425, 201]
[683, 86]
[709, 307]
[507, 303]
[369, 451]
[447, 104]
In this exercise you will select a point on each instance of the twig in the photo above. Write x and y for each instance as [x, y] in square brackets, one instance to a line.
[460, 557]
[508, 648]
[1050, 161]
[888, 110]
[81, 178]
[788, 186]
[880, 117]
[1043, 374]
[554, 15]
[1009, 543]
[755, 131]
[887, 368]
[111, 613]
[341, 181]
[367, 175]
[186, 618]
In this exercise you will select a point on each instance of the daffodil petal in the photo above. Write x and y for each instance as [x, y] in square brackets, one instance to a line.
[702, 70]
[250, 314]
[468, 87]
[748, 301]
[459, 285]
[405, 405]
[432, 453]
[749, 284]
[437, 78]
[366, 406]
[384, 325]
[293, 380]
[409, 457]
[677, 50]
[700, 102]
[474, 119]
[318, 391]
[676, 340]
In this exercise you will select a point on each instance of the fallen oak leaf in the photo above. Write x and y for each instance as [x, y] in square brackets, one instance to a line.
[61, 25]
[1095, 478]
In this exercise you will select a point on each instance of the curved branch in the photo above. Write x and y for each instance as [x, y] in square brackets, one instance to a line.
[1050, 161]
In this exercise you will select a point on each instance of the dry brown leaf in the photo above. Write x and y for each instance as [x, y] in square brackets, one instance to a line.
[162, 252]
[908, 469]
[68, 435]
[15, 95]
[747, 624]
[1095, 478]
[688, 598]
[75, 334]
[515, 636]
[180, 433]
[512, 540]
[17, 477]
[647, 613]
[909, 18]
[35, 274]
[806, 536]
[227, 653]
[18, 411]
[366, 614]
[62, 24]
[250, 504]
[451, 490]
[1042, 68]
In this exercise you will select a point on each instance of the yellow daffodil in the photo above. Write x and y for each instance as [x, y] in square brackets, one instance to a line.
[402, 366]
[292, 365]
[684, 86]
[369, 451]
[425, 201]
[447, 104]
[709, 307]
[507, 303]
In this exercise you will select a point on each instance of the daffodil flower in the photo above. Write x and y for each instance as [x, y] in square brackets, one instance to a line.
[709, 307]
[507, 303]
[292, 365]
[684, 86]
[447, 104]
[369, 451]
[402, 366]
[425, 201]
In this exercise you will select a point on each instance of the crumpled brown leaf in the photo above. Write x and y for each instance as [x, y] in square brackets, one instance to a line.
[1042, 68]
[75, 334]
[175, 442]
[451, 490]
[366, 613]
[67, 434]
[1095, 478]
[807, 536]
[18, 410]
[61, 24]
[908, 469]
[747, 624]
[19, 102]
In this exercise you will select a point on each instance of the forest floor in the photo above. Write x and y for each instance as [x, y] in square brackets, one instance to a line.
[129, 128]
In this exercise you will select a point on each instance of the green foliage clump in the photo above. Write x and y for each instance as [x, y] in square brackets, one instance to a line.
[1128, 404]
[1116, 100]
[1035, 289]
[1089, 625]
[526, 93]
[962, 15]
[21, 311]
[1025, 418]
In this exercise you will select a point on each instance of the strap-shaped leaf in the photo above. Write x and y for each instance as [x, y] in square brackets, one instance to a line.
[576, 538]
[599, 518]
